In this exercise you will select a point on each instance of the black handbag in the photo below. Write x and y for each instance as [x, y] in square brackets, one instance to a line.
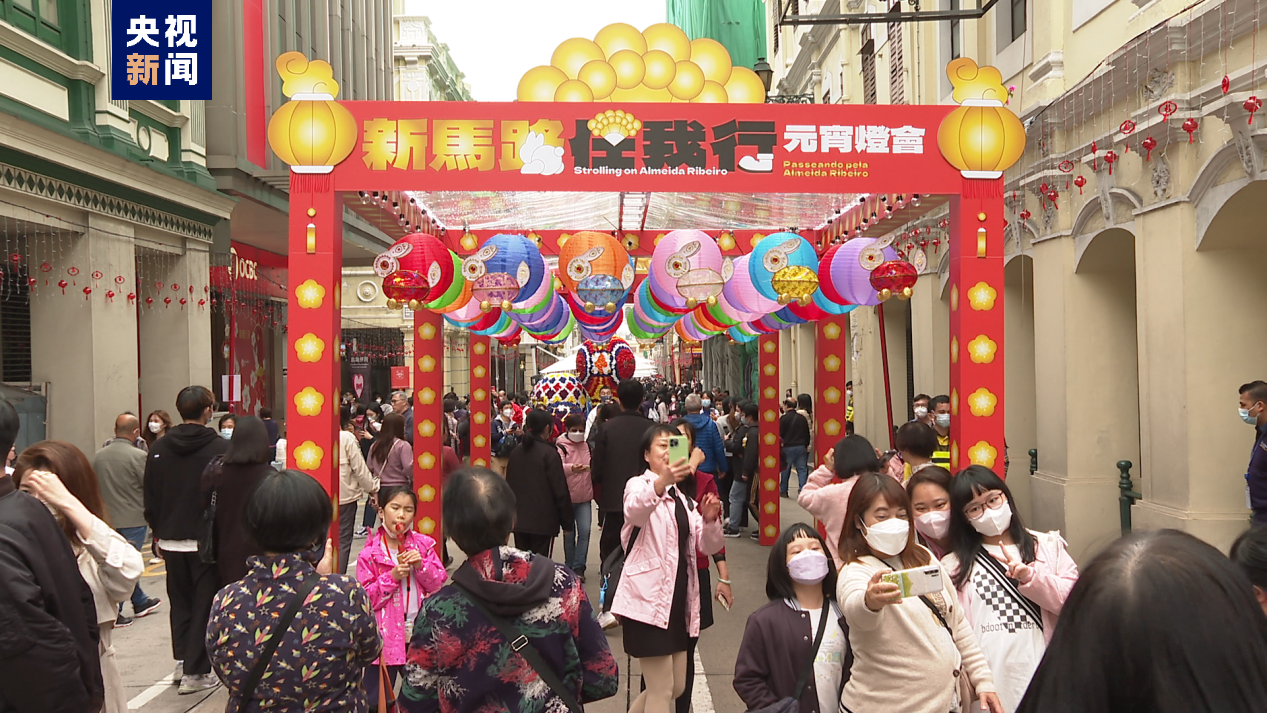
[207, 528]
[792, 704]
[609, 572]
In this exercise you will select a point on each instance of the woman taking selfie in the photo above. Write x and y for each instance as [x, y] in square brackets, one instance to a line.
[659, 594]
[793, 646]
[929, 489]
[909, 653]
[1012, 582]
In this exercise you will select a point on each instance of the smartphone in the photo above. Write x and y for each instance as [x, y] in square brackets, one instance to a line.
[679, 448]
[916, 581]
[723, 603]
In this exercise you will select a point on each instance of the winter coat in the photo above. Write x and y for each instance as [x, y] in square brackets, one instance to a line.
[646, 586]
[173, 480]
[617, 456]
[543, 505]
[827, 502]
[49, 638]
[709, 440]
[233, 483]
[387, 598]
[777, 642]
[1055, 573]
[458, 662]
[399, 467]
[580, 487]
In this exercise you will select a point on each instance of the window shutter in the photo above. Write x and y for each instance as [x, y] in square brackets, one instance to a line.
[897, 93]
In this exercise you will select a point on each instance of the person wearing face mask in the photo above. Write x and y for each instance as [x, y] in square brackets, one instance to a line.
[576, 466]
[905, 659]
[1253, 411]
[505, 436]
[782, 654]
[930, 501]
[848, 405]
[1012, 582]
[156, 426]
[919, 409]
[226, 424]
[940, 406]
[916, 443]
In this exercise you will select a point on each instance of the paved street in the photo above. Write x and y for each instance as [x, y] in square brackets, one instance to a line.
[144, 649]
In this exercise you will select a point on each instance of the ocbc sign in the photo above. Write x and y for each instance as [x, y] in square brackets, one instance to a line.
[242, 267]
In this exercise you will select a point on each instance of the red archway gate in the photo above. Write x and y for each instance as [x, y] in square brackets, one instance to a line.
[338, 147]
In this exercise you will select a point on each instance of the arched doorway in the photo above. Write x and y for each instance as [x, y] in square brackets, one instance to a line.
[1022, 406]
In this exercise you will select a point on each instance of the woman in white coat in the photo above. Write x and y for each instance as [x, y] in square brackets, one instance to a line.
[60, 476]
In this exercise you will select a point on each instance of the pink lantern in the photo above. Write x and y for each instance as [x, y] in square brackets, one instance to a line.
[687, 268]
[850, 278]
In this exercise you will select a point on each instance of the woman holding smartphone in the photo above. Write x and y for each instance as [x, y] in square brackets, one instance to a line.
[904, 659]
[658, 598]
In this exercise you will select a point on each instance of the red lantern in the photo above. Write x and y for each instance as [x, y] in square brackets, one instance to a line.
[119, 279]
[1025, 214]
[1149, 144]
[1252, 105]
[62, 284]
[87, 291]
[110, 296]
[1226, 84]
[96, 275]
[182, 302]
[1110, 157]
[201, 302]
[1127, 127]
[1052, 196]
[1167, 108]
[1080, 181]
[167, 301]
[894, 278]
[1190, 126]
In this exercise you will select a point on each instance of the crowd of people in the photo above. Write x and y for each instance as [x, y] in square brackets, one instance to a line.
[926, 594]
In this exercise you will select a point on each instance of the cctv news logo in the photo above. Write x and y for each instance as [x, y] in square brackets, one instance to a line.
[160, 50]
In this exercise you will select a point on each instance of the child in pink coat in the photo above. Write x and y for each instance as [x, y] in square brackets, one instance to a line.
[398, 568]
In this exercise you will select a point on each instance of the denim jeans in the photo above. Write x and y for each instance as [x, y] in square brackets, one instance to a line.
[135, 537]
[738, 503]
[576, 544]
[794, 457]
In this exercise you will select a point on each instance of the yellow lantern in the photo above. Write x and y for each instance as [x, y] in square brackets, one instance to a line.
[981, 138]
[312, 132]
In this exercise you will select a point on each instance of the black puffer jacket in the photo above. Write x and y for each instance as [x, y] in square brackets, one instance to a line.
[173, 480]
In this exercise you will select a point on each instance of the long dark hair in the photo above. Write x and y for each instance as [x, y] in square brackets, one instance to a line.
[145, 427]
[1161, 622]
[71, 466]
[965, 541]
[1249, 552]
[249, 444]
[536, 423]
[778, 582]
[393, 429]
[870, 486]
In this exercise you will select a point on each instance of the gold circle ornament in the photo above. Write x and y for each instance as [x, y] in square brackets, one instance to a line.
[599, 76]
[393, 304]
[711, 93]
[688, 82]
[539, 84]
[669, 39]
[620, 36]
[744, 87]
[661, 68]
[712, 57]
[572, 54]
[574, 90]
[870, 257]
[629, 68]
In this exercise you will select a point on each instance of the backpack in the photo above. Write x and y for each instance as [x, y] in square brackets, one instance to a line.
[610, 573]
[506, 445]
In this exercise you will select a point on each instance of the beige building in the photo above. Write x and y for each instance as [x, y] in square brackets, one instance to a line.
[1132, 299]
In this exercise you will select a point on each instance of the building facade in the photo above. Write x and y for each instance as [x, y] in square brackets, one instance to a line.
[1131, 256]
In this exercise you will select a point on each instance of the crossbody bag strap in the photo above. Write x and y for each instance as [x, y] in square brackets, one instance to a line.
[994, 569]
[937, 613]
[521, 644]
[274, 639]
[801, 682]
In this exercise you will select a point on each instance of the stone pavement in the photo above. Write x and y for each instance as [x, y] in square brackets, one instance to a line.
[144, 649]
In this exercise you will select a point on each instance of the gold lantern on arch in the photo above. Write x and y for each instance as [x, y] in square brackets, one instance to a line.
[312, 132]
[981, 138]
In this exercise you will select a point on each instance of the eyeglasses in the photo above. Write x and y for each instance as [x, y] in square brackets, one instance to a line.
[995, 502]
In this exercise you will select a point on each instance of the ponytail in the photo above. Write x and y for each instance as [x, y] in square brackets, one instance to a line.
[536, 422]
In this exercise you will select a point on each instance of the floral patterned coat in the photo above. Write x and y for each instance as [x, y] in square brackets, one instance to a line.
[458, 662]
[374, 572]
[322, 657]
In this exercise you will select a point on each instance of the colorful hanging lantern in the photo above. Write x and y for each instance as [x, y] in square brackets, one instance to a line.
[415, 269]
[506, 269]
[599, 365]
[687, 268]
[784, 268]
[849, 276]
[596, 268]
[980, 138]
[896, 277]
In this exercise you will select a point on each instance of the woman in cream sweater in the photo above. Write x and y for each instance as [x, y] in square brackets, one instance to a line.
[909, 654]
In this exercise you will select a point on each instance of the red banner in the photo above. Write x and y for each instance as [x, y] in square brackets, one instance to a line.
[400, 377]
[818, 148]
[768, 472]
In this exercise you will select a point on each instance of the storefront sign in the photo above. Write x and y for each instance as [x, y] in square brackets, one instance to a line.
[400, 377]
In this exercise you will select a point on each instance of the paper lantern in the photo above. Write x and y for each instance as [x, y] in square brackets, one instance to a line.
[596, 268]
[981, 138]
[687, 268]
[784, 268]
[417, 267]
[850, 278]
[741, 293]
[505, 270]
[313, 133]
[894, 278]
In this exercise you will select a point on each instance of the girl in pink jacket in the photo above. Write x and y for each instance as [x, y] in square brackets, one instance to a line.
[1011, 581]
[398, 568]
[826, 493]
[576, 467]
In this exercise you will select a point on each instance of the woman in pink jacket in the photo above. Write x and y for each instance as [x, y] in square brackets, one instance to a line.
[398, 568]
[825, 498]
[658, 597]
[576, 467]
[1011, 581]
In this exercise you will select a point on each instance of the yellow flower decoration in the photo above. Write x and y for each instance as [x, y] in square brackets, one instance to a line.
[982, 349]
[769, 392]
[832, 427]
[427, 429]
[954, 298]
[771, 531]
[769, 346]
[769, 369]
[831, 330]
[479, 348]
[771, 461]
[831, 395]
[832, 363]
[480, 441]
[427, 331]
[427, 397]
[481, 463]
[771, 484]
[469, 242]
[310, 294]
[982, 402]
[726, 241]
[770, 439]
[954, 350]
[770, 508]
[309, 348]
[427, 364]
[770, 415]
[480, 395]
[480, 372]
[954, 402]
[426, 493]
[308, 456]
[480, 417]
[954, 456]
[427, 461]
[981, 296]
[983, 454]
[427, 526]
[309, 401]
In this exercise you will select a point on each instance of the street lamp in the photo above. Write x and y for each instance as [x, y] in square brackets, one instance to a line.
[766, 74]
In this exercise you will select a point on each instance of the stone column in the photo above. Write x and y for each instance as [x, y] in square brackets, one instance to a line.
[175, 343]
[85, 344]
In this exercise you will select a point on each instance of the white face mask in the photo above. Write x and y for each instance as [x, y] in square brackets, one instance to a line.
[507, 413]
[943, 420]
[934, 524]
[226, 433]
[993, 523]
[887, 538]
[576, 436]
[921, 411]
[808, 567]
[155, 426]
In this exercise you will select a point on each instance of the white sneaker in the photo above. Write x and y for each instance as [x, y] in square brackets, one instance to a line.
[179, 673]
[607, 620]
[198, 683]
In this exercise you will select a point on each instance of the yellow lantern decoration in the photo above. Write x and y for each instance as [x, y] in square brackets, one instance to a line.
[981, 138]
[312, 132]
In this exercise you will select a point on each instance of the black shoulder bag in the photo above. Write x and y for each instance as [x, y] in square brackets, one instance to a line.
[274, 639]
[207, 530]
[792, 704]
[522, 645]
